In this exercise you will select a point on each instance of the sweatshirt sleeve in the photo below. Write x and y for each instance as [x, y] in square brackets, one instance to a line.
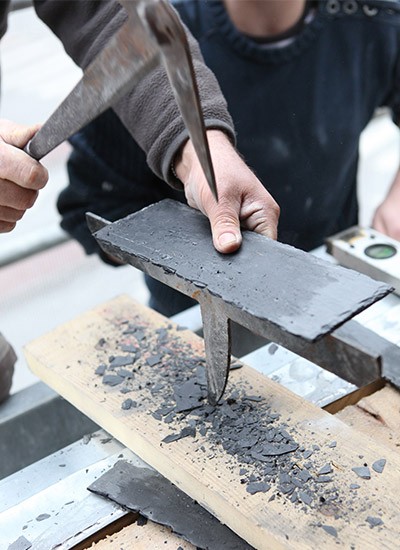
[148, 111]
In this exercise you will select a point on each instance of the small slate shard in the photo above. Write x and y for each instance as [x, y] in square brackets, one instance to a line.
[129, 348]
[308, 453]
[139, 335]
[332, 444]
[21, 543]
[101, 369]
[257, 487]
[122, 361]
[374, 522]
[305, 498]
[272, 349]
[100, 343]
[186, 432]
[42, 517]
[327, 469]
[304, 475]
[362, 471]
[154, 360]
[128, 404]
[235, 365]
[86, 438]
[125, 373]
[112, 379]
[141, 521]
[255, 398]
[330, 530]
[269, 449]
[354, 486]
[323, 479]
[379, 465]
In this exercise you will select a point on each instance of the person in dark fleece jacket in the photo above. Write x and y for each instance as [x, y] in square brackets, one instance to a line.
[302, 80]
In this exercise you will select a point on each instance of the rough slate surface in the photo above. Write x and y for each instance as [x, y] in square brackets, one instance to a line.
[296, 291]
[145, 491]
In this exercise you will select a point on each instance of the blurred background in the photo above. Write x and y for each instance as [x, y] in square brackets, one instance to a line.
[46, 279]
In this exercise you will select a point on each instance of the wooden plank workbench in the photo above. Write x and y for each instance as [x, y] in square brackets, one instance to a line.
[338, 514]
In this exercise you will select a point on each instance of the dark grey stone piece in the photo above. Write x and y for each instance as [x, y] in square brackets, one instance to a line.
[306, 498]
[326, 469]
[21, 543]
[362, 471]
[295, 291]
[186, 432]
[330, 530]
[122, 361]
[379, 465]
[42, 517]
[112, 379]
[101, 369]
[257, 487]
[128, 404]
[145, 491]
[374, 522]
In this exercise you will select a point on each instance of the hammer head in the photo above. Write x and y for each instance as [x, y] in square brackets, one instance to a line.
[152, 33]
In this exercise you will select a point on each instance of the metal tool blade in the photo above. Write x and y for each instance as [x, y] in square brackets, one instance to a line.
[128, 56]
[217, 344]
[171, 38]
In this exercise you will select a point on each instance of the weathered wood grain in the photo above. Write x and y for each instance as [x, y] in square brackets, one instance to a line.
[66, 359]
[377, 415]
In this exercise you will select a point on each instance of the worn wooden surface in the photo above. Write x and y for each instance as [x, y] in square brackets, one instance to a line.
[66, 359]
[377, 415]
[142, 537]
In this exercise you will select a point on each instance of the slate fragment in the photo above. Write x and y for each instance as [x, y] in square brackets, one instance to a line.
[112, 379]
[154, 360]
[42, 517]
[379, 465]
[362, 471]
[21, 543]
[188, 431]
[128, 404]
[101, 369]
[148, 492]
[330, 530]
[122, 361]
[257, 487]
[305, 497]
[326, 469]
[374, 522]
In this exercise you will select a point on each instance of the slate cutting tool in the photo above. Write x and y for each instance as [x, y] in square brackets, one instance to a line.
[153, 33]
[283, 294]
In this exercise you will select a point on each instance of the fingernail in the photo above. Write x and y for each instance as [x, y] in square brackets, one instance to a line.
[227, 238]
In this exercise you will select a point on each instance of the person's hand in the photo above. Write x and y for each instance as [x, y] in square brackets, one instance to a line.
[387, 216]
[21, 177]
[243, 200]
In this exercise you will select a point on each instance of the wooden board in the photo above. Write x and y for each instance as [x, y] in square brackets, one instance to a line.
[377, 415]
[142, 537]
[67, 357]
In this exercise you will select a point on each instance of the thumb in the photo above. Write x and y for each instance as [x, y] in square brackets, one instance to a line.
[17, 134]
[225, 227]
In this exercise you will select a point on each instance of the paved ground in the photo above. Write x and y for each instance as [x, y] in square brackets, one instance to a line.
[49, 288]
